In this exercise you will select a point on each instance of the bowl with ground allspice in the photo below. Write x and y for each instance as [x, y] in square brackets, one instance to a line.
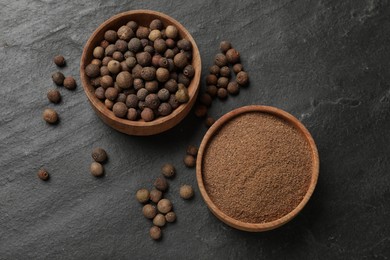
[257, 167]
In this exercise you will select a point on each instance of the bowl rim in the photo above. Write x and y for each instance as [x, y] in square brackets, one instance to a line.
[256, 227]
[193, 87]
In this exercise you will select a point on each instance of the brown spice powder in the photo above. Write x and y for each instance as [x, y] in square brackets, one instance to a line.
[257, 167]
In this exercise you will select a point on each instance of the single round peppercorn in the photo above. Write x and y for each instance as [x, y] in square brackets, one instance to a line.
[70, 83]
[106, 60]
[108, 103]
[59, 60]
[155, 60]
[110, 36]
[144, 58]
[159, 220]
[163, 94]
[212, 90]
[104, 71]
[136, 71]
[224, 46]
[142, 93]
[54, 96]
[91, 70]
[114, 67]
[142, 32]
[151, 86]
[121, 46]
[206, 99]
[169, 54]
[171, 67]
[162, 74]
[222, 93]
[164, 109]
[132, 101]
[173, 101]
[161, 183]
[154, 35]
[58, 77]
[134, 45]
[149, 211]
[99, 155]
[200, 110]
[142, 195]
[225, 72]
[144, 42]
[171, 31]
[192, 150]
[100, 93]
[138, 84]
[155, 233]
[132, 114]
[182, 94]
[120, 109]
[96, 62]
[168, 170]
[180, 60]
[220, 60]
[189, 71]
[125, 33]
[124, 80]
[186, 192]
[233, 88]
[170, 43]
[104, 44]
[98, 52]
[95, 82]
[106, 81]
[124, 66]
[109, 51]
[96, 169]
[128, 54]
[189, 161]
[222, 82]
[156, 24]
[43, 174]
[214, 69]
[163, 62]
[50, 116]
[232, 56]
[164, 206]
[149, 49]
[148, 73]
[152, 101]
[160, 46]
[237, 67]
[133, 25]
[211, 79]
[118, 56]
[155, 195]
[131, 62]
[170, 217]
[147, 114]
[242, 78]
[184, 45]
[171, 85]
[209, 121]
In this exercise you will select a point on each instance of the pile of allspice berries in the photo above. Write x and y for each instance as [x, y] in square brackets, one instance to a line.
[156, 207]
[142, 72]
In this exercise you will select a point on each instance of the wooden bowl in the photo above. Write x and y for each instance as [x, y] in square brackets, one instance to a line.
[140, 127]
[256, 227]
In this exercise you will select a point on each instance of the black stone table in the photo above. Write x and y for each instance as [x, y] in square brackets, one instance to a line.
[326, 62]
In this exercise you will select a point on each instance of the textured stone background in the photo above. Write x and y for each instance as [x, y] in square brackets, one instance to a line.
[326, 62]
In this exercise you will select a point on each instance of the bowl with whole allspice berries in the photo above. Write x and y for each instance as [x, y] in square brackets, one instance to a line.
[141, 71]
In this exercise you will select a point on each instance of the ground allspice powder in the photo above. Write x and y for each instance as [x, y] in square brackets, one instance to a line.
[257, 168]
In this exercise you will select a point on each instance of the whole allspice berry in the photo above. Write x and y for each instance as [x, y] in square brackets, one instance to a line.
[59, 60]
[108, 103]
[114, 66]
[233, 56]
[168, 170]
[189, 71]
[209, 121]
[237, 67]
[43, 174]
[225, 72]
[142, 195]
[220, 60]
[99, 155]
[182, 94]
[164, 109]
[163, 94]
[180, 60]
[54, 96]
[242, 78]
[124, 80]
[111, 36]
[200, 110]
[98, 52]
[100, 93]
[159, 220]
[149, 211]
[110, 93]
[162, 74]
[120, 109]
[189, 161]
[160, 46]
[106, 81]
[144, 58]
[222, 82]
[152, 101]
[192, 150]
[58, 78]
[161, 184]
[224, 46]
[147, 114]
[206, 99]
[70, 83]
[170, 217]
[212, 90]
[125, 33]
[214, 69]
[50, 116]
[164, 206]
[171, 32]
[96, 169]
[211, 79]
[233, 88]
[92, 70]
[156, 24]
[142, 32]
[186, 192]
[155, 233]
[155, 195]
[132, 114]
[222, 93]
[132, 101]
[148, 73]
[184, 45]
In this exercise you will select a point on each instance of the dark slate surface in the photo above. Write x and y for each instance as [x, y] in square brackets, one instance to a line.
[326, 62]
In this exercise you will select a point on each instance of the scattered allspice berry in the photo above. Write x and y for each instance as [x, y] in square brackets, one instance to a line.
[168, 170]
[54, 96]
[149, 211]
[170, 217]
[233, 56]
[164, 206]
[99, 155]
[58, 78]
[43, 174]
[224, 46]
[242, 78]
[200, 110]
[192, 150]
[50, 116]
[96, 169]
[189, 161]
[233, 88]
[186, 192]
[222, 93]
[209, 121]
[142, 195]
[155, 233]
[161, 184]
[70, 83]
[159, 220]
[155, 195]
[59, 60]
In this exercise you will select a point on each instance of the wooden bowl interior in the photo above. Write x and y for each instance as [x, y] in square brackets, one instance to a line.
[140, 127]
[256, 227]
